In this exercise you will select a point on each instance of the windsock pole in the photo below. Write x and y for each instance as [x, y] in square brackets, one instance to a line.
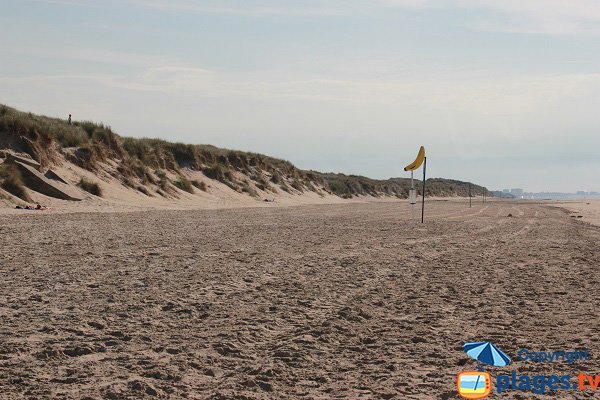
[423, 201]
[412, 205]
[412, 193]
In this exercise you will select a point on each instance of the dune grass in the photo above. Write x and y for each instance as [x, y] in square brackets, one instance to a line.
[10, 180]
[200, 185]
[90, 187]
[184, 184]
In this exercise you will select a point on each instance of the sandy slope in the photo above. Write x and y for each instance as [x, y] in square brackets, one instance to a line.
[119, 198]
[329, 301]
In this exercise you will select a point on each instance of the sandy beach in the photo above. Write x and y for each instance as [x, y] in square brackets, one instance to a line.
[586, 209]
[316, 302]
[210, 200]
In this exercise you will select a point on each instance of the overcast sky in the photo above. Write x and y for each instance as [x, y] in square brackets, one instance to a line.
[505, 93]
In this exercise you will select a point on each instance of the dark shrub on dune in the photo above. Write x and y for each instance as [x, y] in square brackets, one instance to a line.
[200, 185]
[184, 184]
[90, 187]
[10, 179]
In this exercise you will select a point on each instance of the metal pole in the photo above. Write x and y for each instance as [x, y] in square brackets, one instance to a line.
[423, 202]
[469, 194]
[412, 205]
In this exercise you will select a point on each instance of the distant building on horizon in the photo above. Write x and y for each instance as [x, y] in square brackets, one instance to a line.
[501, 194]
[514, 193]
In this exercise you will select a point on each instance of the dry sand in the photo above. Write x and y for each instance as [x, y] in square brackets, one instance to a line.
[588, 210]
[316, 302]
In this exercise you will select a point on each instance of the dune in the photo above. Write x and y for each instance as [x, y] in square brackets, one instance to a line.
[88, 167]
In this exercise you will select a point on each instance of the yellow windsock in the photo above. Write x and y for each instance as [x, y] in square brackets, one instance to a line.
[418, 161]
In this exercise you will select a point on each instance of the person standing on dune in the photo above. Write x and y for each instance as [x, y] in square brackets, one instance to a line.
[69, 120]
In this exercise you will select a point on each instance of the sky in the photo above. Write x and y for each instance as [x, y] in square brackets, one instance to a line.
[503, 93]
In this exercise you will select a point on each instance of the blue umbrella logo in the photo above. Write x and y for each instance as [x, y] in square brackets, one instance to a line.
[487, 353]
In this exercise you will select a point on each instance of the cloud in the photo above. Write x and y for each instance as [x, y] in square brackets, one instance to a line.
[92, 55]
[555, 17]
[252, 8]
[258, 8]
[526, 94]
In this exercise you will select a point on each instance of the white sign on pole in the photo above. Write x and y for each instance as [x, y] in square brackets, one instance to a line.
[412, 196]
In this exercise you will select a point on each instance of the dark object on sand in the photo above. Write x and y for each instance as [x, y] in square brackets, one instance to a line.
[509, 215]
[28, 207]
